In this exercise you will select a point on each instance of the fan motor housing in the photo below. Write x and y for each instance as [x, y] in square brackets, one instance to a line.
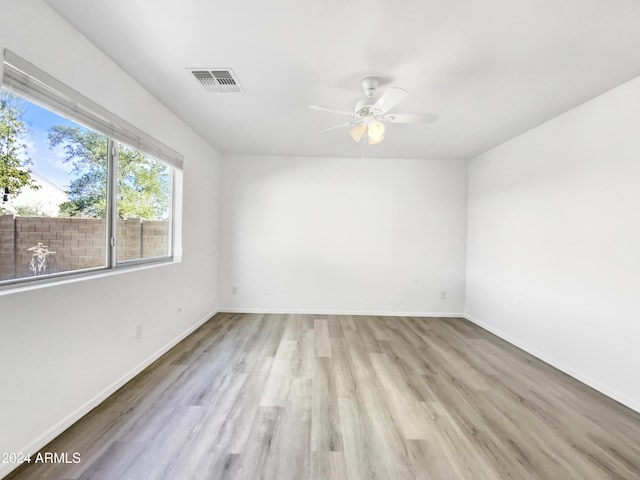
[370, 84]
[364, 108]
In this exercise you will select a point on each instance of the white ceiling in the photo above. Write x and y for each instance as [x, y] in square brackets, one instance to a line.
[491, 69]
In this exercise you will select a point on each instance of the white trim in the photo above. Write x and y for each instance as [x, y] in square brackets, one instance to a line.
[73, 276]
[369, 313]
[81, 411]
[581, 377]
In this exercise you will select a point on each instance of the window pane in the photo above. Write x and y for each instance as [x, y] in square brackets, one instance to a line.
[144, 196]
[53, 178]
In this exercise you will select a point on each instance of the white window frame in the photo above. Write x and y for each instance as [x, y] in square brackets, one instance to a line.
[28, 81]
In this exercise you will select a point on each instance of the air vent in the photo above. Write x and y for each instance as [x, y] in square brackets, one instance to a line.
[217, 80]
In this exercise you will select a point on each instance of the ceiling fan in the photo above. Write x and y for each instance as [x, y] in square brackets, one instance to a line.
[369, 115]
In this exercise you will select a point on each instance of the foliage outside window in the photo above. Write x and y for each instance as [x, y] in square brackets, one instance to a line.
[14, 161]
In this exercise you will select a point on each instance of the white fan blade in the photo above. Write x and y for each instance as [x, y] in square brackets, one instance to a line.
[389, 99]
[331, 110]
[411, 117]
[336, 126]
[357, 132]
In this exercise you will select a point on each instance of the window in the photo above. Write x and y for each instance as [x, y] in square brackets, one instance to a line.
[143, 200]
[81, 189]
[54, 217]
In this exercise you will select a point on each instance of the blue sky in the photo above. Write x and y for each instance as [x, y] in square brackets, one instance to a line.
[48, 163]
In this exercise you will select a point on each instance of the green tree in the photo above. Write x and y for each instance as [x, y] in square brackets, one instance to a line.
[34, 210]
[143, 183]
[143, 186]
[14, 162]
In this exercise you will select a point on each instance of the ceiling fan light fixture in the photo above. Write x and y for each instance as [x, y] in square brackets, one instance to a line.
[368, 115]
[375, 142]
[357, 132]
[376, 132]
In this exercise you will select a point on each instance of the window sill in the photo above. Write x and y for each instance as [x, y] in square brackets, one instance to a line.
[24, 285]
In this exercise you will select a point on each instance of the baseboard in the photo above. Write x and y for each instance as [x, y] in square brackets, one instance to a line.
[586, 379]
[285, 311]
[77, 414]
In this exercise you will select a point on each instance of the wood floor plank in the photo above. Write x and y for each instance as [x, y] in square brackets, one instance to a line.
[430, 459]
[290, 455]
[328, 465]
[293, 327]
[383, 434]
[458, 448]
[342, 369]
[361, 465]
[259, 447]
[378, 327]
[335, 327]
[331, 397]
[321, 337]
[304, 362]
[239, 418]
[208, 447]
[325, 427]
[403, 405]
[277, 387]
[347, 323]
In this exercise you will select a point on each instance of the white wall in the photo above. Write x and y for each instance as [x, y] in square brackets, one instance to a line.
[63, 348]
[553, 259]
[342, 235]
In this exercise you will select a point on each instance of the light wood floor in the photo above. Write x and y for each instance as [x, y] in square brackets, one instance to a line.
[295, 397]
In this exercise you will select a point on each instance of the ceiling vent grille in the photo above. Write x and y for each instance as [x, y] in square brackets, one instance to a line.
[217, 80]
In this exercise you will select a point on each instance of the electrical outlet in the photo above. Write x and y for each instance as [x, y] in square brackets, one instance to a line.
[443, 295]
[234, 290]
[138, 332]
[266, 291]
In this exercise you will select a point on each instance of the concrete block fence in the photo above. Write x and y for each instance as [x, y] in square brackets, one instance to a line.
[78, 242]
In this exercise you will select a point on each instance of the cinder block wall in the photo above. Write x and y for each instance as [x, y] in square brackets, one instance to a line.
[7, 246]
[78, 243]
